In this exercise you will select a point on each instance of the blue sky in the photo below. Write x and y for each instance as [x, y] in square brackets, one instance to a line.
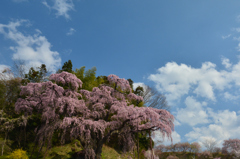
[188, 50]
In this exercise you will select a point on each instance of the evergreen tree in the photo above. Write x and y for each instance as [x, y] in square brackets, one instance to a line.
[130, 82]
[67, 66]
[35, 76]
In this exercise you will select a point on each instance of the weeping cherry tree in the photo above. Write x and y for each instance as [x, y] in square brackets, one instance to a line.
[89, 116]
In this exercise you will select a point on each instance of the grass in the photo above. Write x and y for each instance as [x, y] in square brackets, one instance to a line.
[110, 153]
[63, 152]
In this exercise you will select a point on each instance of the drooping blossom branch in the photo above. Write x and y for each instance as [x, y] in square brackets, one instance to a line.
[91, 117]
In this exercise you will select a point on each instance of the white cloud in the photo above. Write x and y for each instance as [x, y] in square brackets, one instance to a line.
[212, 131]
[237, 38]
[226, 124]
[176, 122]
[226, 62]
[158, 139]
[205, 89]
[71, 31]
[33, 49]
[46, 4]
[3, 67]
[193, 114]
[229, 96]
[135, 85]
[226, 118]
[177, 80]
[61, 6]
[4, 73]
[227, 36]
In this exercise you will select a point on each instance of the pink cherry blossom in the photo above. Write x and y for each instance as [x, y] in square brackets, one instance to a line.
[91, 117]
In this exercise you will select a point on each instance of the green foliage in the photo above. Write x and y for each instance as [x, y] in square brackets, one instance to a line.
[11, 123]
[138, 104]
[18, 154]
[2, 94]
[67, 67]
[139, 91]
[63, 152]
[144, 141]
[89, 78]
[23, 137]
[10, 90]
[102, 156]
[35, 76]
[130, 82]
[110, 153]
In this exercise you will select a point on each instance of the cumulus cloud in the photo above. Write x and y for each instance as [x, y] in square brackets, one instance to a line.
[158, 139]
[229, 96]
[62, 7]
[71, 31]
[135, 85]
[33, 49]
[226, 124]
[206, 84]
[177, 123]
[193, 113]
[177, 80]
[226, 62]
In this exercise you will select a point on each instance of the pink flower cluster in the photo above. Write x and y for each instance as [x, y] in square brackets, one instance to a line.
[91, 117]
[67, 79]
[122, 83]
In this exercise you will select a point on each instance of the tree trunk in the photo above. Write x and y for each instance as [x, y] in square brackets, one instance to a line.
[98, 150]
[4, 143]
[41, 147]
[45, 154]
[150, 138]
[137, 143]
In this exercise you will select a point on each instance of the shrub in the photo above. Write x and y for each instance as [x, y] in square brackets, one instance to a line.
[18, 154]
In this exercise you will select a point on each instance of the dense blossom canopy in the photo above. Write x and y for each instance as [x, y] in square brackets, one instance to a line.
[122, 83]
[66, 79]
[91, 117]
